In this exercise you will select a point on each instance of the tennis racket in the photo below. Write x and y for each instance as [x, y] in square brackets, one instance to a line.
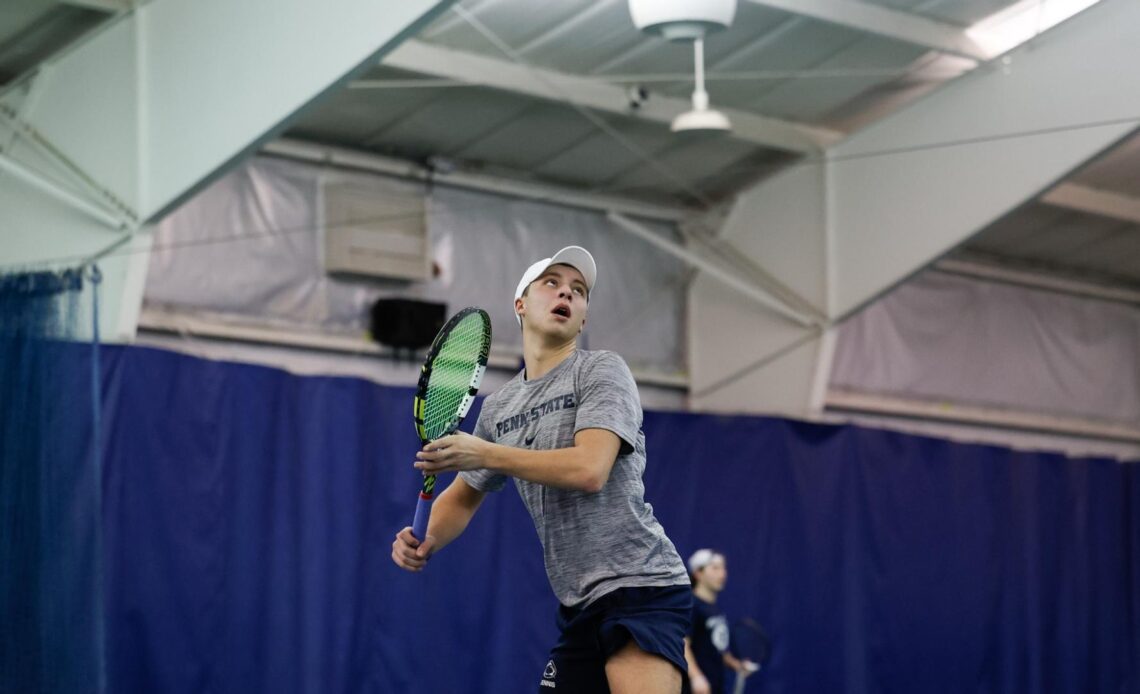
[749, 642]
[448, 383]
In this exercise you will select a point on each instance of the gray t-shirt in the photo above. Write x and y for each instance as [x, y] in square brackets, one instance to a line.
[592, 543]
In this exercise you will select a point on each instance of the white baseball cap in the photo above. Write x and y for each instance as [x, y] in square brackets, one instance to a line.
[702, 558]
[574, 256]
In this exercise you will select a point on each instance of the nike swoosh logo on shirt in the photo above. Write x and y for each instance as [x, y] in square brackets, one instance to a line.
[529, 440]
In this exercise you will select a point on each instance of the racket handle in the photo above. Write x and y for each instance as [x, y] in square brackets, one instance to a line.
[423, 512]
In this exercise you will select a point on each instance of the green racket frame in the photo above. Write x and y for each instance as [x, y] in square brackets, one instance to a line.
[430, 431]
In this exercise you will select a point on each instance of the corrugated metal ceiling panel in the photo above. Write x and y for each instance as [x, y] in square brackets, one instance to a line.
[758, 164]
[799, 44]
[962, 13]
[1074, 242]
[687, 159]
[351, 117]
[31, 31]
[455, 119]
[604, 33]
[811, 99]
[599, 157]
[515, 22]
[568, 35]
[534, 136]
[500, 131]
[531, 137]
[1117, 171]
[602, 40]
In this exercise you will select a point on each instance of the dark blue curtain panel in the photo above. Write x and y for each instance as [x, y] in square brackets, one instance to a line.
[249, 515]
[51, 627]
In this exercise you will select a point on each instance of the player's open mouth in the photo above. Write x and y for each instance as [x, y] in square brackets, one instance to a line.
[562, 310]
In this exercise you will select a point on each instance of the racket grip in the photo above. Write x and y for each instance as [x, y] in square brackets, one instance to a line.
[423, 512]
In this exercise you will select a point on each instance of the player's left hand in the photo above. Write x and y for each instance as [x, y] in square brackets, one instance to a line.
[453, 453]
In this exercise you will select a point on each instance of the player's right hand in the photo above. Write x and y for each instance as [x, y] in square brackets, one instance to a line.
[700, 685]
[409, 553]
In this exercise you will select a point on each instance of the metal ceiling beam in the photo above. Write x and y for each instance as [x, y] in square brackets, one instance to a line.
[566, 27]
[966, 155]
[1037, 280]
[975, 415]
[494, 73]
[130, 134]
[112, 6]
[893, 24]
[1073, 196]
[903, 191]
[135, 118]
[729, 279]
[369, 161]
[67, 197]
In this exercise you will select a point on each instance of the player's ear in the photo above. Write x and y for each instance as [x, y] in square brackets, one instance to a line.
[520, 306]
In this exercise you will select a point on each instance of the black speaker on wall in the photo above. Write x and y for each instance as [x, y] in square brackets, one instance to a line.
[406, 323]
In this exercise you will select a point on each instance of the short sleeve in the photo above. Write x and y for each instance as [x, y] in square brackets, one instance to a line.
[608, 399]
[483, 480]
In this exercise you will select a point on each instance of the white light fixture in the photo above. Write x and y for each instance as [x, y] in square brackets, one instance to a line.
[688, 20]
[701, 118]
[682, 20]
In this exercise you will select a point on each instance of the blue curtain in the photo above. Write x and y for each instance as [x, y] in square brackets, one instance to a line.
[50, 600]
[249, 515]
[884, 562]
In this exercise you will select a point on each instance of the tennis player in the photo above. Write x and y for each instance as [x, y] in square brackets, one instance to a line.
[567, 429]
[707, 647]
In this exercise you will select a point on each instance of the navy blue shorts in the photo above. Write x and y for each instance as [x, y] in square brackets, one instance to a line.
[657, 619]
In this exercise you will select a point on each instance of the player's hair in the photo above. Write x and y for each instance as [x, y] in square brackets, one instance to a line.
[693, 574]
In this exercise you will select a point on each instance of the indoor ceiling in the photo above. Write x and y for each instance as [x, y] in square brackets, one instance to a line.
[542, 92]
[32, 31]
[1087, 228]
[791, 84]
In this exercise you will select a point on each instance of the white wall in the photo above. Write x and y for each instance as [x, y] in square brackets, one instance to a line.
[135, 116]
[40, 233]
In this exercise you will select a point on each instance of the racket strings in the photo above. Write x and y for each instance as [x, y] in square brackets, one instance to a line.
[451, 374]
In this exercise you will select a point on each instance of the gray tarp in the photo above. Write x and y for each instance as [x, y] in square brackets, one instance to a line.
[949, 338]
[250, 244]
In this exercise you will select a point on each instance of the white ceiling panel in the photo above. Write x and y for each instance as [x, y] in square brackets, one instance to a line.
[1114, 250]
[354, 116]
[17, 16]
[455, 119]
[840, 77]
[1066, 241]
[689, 159]
[32, 31]
[599, 157]
[515, 22]
[726, 180]
[810, 100]
[531, 138]
[565, 35]
[962, 13]
[580, 47]
[798, 45]
[715, 171]
[1117, 171]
